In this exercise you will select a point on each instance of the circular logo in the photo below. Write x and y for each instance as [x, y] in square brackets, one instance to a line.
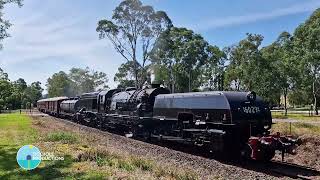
[29, 157]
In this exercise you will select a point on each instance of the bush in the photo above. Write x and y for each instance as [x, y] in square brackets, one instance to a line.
[64, 137]
[145, 165]
[126, 165]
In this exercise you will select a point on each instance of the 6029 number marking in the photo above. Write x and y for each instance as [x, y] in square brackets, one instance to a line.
[251, 110]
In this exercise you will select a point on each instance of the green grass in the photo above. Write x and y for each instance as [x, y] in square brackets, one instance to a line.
[296, 116]
[297, 129]
[130, 164]
[145, 165]
[15, 130]
[64, 137]
[105, 158]
[82, 159]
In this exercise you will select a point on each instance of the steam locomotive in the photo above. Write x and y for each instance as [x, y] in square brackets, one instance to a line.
[236, 122]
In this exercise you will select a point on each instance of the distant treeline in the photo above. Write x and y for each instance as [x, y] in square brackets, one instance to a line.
[17, 94]
[76, 82]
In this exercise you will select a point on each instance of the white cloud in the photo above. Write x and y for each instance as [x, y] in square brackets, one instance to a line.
[39, 39]
[214, 23]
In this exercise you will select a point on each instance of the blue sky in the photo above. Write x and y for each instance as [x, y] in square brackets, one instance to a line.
[53, 35]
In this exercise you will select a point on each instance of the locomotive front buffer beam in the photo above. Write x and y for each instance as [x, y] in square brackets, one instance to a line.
[263, 148]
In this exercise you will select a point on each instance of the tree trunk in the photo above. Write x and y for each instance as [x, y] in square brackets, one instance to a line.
[316, 106]
[285, 101]
[171, 78]
[135, 69]
[190, 80]
[314, 97]
[173, 85]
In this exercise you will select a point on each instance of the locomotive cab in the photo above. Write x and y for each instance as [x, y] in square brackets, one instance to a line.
[104, 100]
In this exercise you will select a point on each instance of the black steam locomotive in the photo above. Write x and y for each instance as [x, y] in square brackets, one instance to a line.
[237, 122]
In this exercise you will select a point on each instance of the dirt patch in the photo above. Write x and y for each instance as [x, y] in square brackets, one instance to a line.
[308, 153]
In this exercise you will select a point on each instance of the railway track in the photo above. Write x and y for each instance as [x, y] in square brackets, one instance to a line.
[293, 170]
[274, 168]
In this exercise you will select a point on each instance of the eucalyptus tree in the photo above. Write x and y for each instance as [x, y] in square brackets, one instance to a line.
[250, 70]
[5, 24]
[283, 67]
[244, 59]
[125, 75]
[132, 30]
[180, 53]
[18, 95]
[87, 80]
[212, 72]
[306, 50]
[163, 61]
[76, 82]
[33, 93]
[5, 89]
[60, 85]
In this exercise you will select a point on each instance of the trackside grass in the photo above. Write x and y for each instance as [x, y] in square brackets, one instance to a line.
[82, 159]
[15, 131]
[296, 116]
[297, 129]
[64, 137]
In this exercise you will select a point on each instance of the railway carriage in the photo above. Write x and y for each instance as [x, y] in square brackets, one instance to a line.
[51, 105]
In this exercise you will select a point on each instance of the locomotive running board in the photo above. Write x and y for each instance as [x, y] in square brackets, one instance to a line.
[168, 138]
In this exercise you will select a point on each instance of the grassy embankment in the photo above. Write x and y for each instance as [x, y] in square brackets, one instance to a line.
[82, 160]
[296, 116]
[297, 128]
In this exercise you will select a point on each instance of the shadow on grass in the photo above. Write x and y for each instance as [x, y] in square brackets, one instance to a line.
[51, 170]
[8, 160]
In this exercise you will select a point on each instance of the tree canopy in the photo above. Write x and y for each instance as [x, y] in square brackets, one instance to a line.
[5, 24]
[76, 82]
[17, 94]
[132, 30]
[178, 58]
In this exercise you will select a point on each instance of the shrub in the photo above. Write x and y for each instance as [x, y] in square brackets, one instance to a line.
[145, 165]
[64, 137]
[125, 164]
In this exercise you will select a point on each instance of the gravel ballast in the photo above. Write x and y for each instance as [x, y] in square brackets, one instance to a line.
[205, 168]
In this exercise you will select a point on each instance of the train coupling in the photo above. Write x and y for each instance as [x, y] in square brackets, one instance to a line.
[264, 147]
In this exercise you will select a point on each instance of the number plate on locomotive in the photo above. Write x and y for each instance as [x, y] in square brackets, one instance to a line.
[251, 109]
